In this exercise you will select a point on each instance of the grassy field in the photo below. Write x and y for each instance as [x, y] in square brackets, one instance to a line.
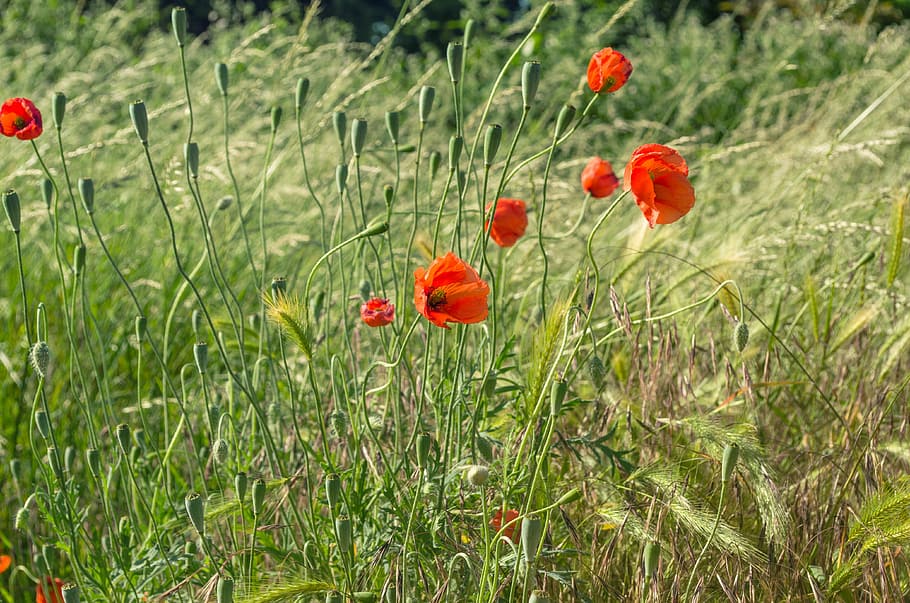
[187, 426]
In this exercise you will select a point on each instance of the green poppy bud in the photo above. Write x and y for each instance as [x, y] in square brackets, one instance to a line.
[178, 20]
[224, 203]
[340, 123]
[456, 145]
[225, 590]
[741, 336]
[141, 327]
[566, 115]
[333, 490]
[569, 497]
[69, 459]
[40, 355]
[276, 118]
[78, 259]
[597, 371]
[488, 387]
[12, 207]
[87, 193]
[731, 455]
[530, 80]
[93, 460]
[491, 140]
[392, 119]
[139, 115]
[123, 437]
[651, 558]
[191, 155]
[201, 356]
[425, 103]
[221, 78]
[376, 229]
[303, 89]
[341, 177]
[343, 532]
[435, 160]
[455, 59]
[558, 391]
[388, 192]
[53, 459]
[43, 424]
[220, 451]
[240, 483]
[423, 449]
[195, 508]
[258, 496]
[358, 136]
[531, 531]
[47, 192]
[338, 421]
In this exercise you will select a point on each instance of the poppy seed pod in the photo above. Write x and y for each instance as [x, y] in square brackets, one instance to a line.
[530, 80]
[139, 115]
[340, 123]
[13, 209]
[731, 455]
[276, 118]
[531, 531]
[557, 395]
[47, 192]
[225, 590]
[221, 78]
[566, 115]
[358, 136]
[69, 459]
[478, 475]
[389, 193]
[40, 355]
[58, 109]
[455, 59]
[303, 89]
[178, 20]
[392, 121]
[651, 557]
[491, 140]
[333, 490]
[435, 160]
[201, 356]
[741, 336]
[93, 460]
[341, 177]
[279, 287]
[343, 532]
[425, 103]
[258, 496]
[141, 326]
[423, 450]
[70, 593]
[195, 508]
[122, 433]
[53, 459]
[456, 145]
[42, 422]
[191, 155]
[240, 483]
[78, 259]
[87, 193]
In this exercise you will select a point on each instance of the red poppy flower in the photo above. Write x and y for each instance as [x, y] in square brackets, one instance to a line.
[54, 588]
[20, 117]
[377, 312]
[512, 530]
[5, 562]
[509, 221]
[608, 71]
[659, 178]
[450, 291]
[598, 178]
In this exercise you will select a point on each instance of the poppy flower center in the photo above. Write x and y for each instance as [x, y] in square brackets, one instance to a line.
[436, 298]
[20, 123]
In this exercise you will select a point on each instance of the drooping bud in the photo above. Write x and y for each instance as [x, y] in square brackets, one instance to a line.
[58, 109]
[178, 20]
[139, 115]
[569, 497]
[651, 558]
[531, 531]
[423, 449]
[392, 119]
[40, 355]
[731, 455]
[425, 103]
[566, 115]
[225, 590]
[376, 229]
[491, 141]
[258, 496]
[558, 395]
[455, 59]
[303, 89]
[221, 78]
[333, 490]
[12, 207]
[597, 371]
[741, 335]
[344, 534]
[195, 508]
[456, 145]
[341, 177]
[276, 118]
[530, 80]
[240, 483]
[47, 192]
[123, 438]
[224, 203]
[478, 475]
[191, 155]
[220, 451]
[93, 460]
[43, 423]
[435, 160]
[201, 356]
[340, 123]
[358, 136]
[87, 193]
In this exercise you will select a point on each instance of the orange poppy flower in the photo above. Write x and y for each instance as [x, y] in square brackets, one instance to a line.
[20, 117]
[5, 562]
[598, 178]
[509, 221]
[377, 312]
[608, 71]
[54, 588]
[512, 530]
[659, 178]
[449, 290]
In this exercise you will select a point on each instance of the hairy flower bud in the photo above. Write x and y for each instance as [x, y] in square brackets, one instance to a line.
[191, 155]
[40, 355]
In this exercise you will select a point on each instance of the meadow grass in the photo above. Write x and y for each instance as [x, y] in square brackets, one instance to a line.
[194, 428]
